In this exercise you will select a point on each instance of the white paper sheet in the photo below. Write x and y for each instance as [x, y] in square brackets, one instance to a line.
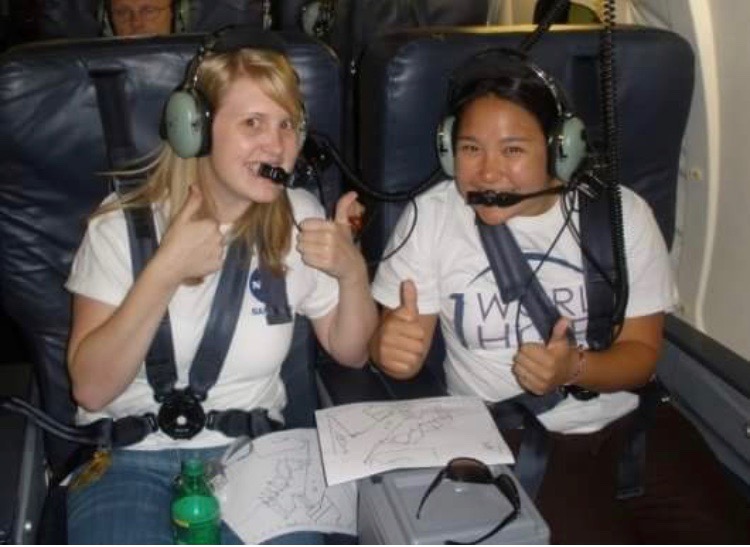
[279, 488]
[362, 439]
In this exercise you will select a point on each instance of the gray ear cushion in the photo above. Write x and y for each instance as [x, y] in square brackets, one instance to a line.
[567, 149]
[302, 132]
[444, 143]
[187, 124]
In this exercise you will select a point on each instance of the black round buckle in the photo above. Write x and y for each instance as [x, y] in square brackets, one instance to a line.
[181, 415]
[581, 394]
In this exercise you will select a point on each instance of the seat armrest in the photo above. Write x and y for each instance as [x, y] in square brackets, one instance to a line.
[710, 385]
[717, 358]
[339, 385]
[424, 384]
[22, 471]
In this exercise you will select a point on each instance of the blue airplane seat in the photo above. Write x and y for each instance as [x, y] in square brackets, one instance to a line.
[349, 26]
[53, 148]
[402, 86]
[655, 75]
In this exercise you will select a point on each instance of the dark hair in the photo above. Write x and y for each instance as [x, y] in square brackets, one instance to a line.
[508, 77]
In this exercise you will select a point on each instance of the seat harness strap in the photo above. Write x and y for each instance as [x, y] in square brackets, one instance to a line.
[516, 281]
[181, 415]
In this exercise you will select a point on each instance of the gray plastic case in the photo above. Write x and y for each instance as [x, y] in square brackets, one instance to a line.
[463, 512]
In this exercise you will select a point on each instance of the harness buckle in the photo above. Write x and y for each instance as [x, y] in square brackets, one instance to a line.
[579, 393]
[181, 415]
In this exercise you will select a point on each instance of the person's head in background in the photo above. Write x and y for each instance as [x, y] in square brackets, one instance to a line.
[136, 17]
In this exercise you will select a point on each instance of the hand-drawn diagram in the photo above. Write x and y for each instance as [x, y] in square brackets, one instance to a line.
[402, 431]
[280, 488]
[365, 438]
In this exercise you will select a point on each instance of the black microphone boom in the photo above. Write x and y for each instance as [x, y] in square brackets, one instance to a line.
[490, 198]
[276, 174]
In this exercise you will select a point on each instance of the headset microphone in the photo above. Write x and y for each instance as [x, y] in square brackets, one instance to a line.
[491, 198]
[275, 174]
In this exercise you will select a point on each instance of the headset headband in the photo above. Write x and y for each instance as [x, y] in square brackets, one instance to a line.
[566, 139]
[485, 66]
[230, 38]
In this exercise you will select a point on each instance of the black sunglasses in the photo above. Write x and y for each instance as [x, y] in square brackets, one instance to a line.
[473, 471]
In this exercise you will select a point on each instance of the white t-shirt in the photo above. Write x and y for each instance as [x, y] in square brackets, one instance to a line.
[445, 259]
[250, 375]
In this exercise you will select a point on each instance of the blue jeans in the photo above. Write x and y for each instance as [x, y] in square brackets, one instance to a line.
[130, 504]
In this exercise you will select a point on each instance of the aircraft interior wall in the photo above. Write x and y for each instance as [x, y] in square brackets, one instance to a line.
[712, 220]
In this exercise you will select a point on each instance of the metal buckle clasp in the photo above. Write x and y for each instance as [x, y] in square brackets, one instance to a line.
[181, 415]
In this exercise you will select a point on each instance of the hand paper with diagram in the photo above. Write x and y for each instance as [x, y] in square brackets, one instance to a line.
[279, 488]
[362, 439]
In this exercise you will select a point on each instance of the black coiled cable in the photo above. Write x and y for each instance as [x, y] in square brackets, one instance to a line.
[611, 132]
[407, 195]
[319, 146]
[544, 24]
[49, 424]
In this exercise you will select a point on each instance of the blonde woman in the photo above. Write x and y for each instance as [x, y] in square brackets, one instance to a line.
[202, 205]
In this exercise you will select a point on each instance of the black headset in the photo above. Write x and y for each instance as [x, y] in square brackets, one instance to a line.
[566, 141]
[317, 18]
[187, 117]
[180, 16]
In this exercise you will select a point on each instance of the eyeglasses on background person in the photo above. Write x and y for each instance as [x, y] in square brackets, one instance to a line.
[146, 13]
[140, 17]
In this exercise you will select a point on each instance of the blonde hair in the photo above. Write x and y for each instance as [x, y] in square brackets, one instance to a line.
[267, 227]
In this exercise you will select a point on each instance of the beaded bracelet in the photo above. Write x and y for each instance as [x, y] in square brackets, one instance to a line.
[579, 368]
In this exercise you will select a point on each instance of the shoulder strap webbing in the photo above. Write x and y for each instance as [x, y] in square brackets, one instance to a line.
[522, 411]
[223, 316]
[109, 83]
[507, 265]
[515, 279]
[596, 241]
[161, 371]
[278, 310]
[222, 321]
[114, 112]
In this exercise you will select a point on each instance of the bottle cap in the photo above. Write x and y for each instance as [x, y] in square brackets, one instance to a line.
[192, 467]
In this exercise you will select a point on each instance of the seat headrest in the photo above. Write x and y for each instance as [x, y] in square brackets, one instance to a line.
[404, 76]
[53, 148]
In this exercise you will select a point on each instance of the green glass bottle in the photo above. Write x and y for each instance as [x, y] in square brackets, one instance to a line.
[196, 515]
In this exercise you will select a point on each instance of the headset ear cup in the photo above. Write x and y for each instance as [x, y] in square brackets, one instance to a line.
[444, 143]
[567, 148]
[187, 123]
[309, 15]
[181, 16]
[102, 17]
[302, 132]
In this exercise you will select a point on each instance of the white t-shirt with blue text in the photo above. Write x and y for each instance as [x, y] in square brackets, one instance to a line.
[250, 375]
[445, 259]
